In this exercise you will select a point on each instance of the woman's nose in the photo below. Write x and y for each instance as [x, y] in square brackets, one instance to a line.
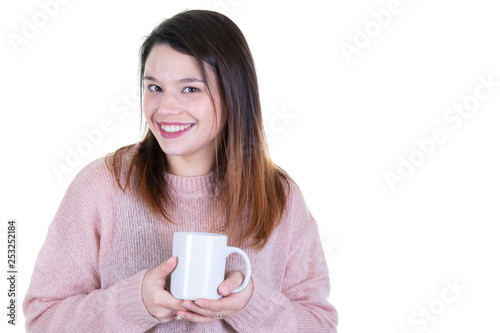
[169, 105]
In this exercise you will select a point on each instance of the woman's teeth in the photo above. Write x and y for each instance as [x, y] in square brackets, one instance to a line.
[174, 128]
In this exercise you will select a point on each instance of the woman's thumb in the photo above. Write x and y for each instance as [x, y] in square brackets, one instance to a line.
[165, 268]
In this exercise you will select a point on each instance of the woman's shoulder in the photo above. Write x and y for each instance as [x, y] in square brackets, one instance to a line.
[295, 202]
[297, 220]
[102, 172]
[294, 196]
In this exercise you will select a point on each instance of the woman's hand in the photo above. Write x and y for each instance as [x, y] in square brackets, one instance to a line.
[206, 310]
[159, 302]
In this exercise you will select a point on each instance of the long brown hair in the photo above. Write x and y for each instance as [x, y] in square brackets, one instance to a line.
[251, 189]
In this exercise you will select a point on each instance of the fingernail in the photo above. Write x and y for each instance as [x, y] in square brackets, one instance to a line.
[223, 290]
[200, 304]
[178, 317]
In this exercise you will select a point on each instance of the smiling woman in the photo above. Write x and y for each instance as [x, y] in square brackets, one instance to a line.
[202, 166]
[177, 105]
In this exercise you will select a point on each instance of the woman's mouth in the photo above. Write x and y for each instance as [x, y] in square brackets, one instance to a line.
[173, 130]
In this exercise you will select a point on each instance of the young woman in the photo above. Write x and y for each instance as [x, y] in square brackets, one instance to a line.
[202, 166]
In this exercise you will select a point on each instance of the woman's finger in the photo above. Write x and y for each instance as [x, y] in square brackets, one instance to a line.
[233, 281]
[207, 312]
[195, 317]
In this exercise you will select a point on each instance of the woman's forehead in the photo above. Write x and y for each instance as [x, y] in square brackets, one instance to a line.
[165, 63]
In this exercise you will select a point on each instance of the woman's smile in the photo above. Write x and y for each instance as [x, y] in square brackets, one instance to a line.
[173, 130]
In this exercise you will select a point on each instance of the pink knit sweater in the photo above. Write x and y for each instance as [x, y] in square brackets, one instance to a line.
[88, 274]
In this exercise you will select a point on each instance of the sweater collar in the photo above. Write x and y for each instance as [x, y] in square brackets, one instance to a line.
[192, 186]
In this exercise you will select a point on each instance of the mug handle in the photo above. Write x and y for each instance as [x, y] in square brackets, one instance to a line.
[248, 269]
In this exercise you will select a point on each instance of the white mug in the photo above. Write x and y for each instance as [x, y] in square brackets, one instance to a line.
[201, 265]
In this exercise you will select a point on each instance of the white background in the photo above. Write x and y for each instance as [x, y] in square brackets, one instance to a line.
[390, 252]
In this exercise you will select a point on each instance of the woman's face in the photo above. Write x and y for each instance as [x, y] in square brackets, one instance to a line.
[178, 107]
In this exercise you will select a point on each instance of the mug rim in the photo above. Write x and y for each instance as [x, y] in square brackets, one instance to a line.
[194, 233]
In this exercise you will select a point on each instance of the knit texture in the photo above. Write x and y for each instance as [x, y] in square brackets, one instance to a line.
[88, 274]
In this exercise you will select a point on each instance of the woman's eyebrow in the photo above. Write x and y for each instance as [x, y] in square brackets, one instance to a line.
[191, 79]
[188, 79]
[149, 78]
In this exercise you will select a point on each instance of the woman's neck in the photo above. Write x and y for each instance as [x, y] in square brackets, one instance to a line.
[187, 167]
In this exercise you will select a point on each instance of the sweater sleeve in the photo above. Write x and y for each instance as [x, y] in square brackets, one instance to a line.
[301, 305]
[65, 292]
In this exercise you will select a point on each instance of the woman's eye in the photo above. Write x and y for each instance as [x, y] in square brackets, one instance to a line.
[190, 89]
[154, 88]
